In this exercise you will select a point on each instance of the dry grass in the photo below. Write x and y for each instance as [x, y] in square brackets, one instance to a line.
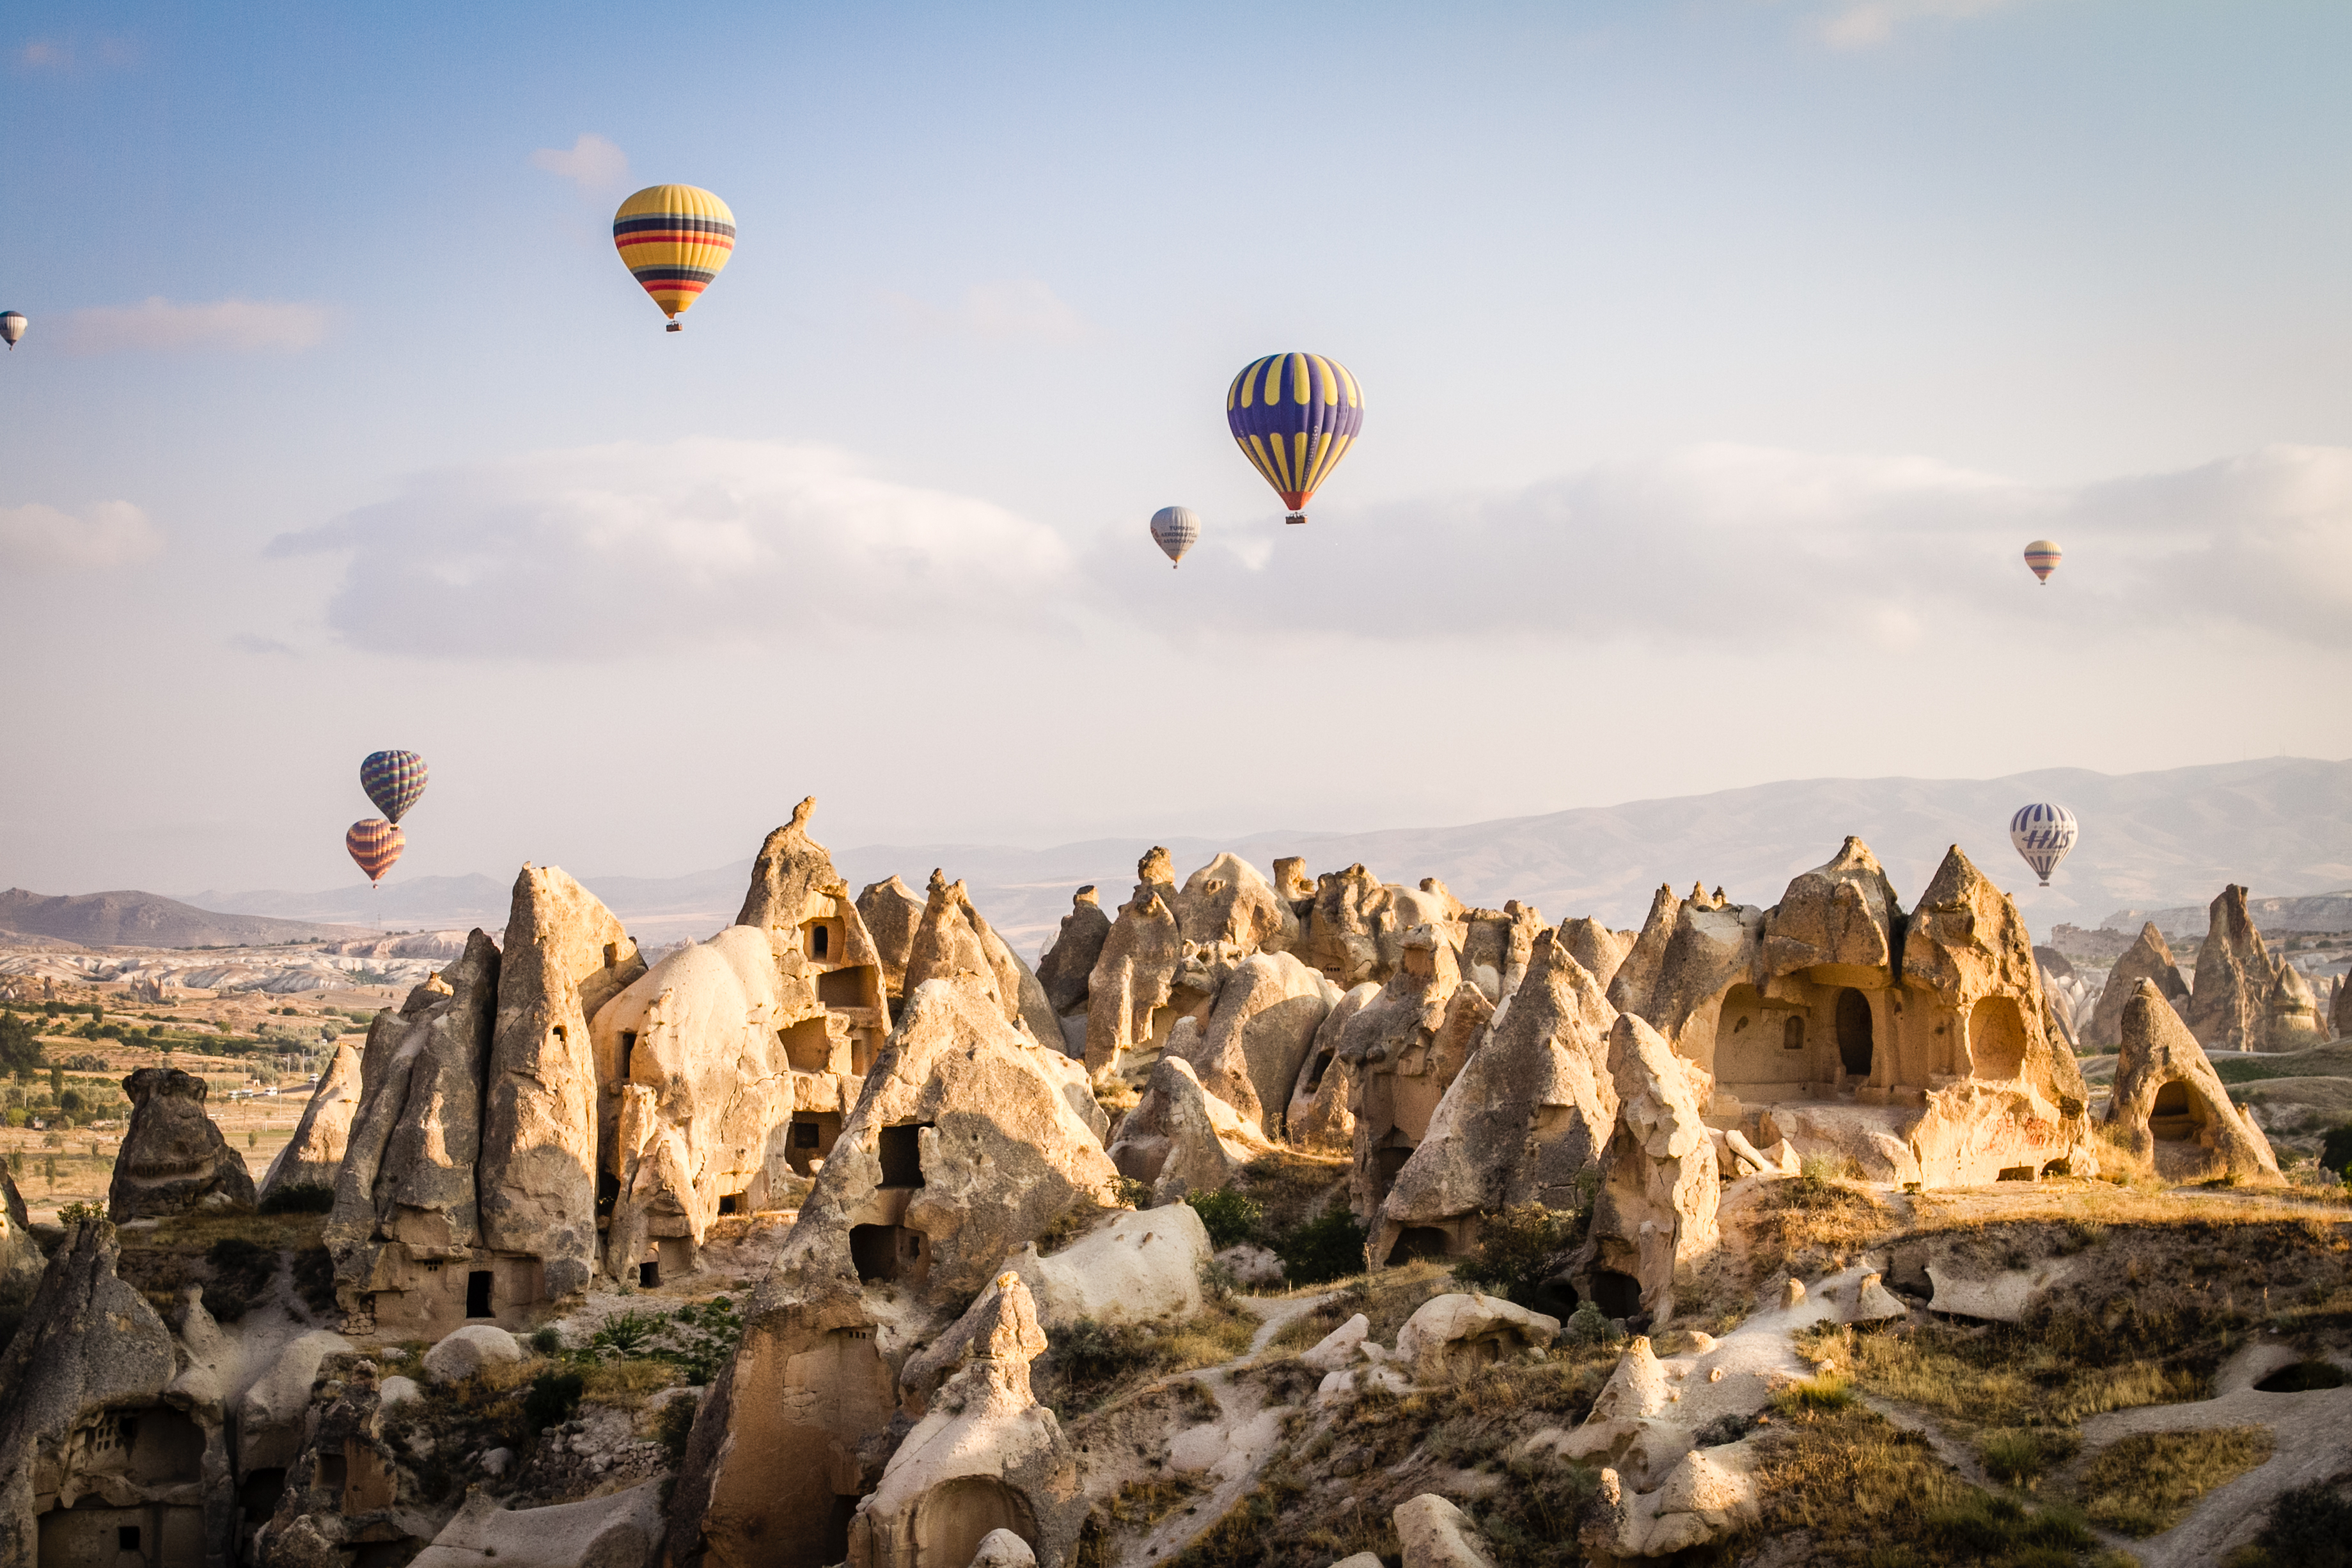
[625, 1385]
[2003, 1378]
[1091, 1365]
[1291, 1186]
[1386, 1297]
[1803, 1226]
[2146, 1483]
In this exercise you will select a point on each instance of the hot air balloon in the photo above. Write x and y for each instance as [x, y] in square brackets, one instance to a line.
[674, 239]
[1295, 416]
[393, 780]
[375, 845]
[2043, 833]
[1175, 529]
[2043, 556]
[12, 327]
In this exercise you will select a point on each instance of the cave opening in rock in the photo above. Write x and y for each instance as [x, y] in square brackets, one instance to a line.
[1853, 1033]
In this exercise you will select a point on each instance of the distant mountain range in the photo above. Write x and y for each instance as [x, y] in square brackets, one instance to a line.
[2321, 911]
[130, 918]
[2283, 827]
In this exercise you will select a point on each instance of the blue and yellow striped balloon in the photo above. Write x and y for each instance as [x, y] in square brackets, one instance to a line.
[674, 239]
[1295, 416]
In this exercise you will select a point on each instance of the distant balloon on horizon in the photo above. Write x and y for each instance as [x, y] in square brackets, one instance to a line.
[1175, 529]
[2044, 834]
[393, 781]
[375, 846]
[2044, 555]
[11, 328]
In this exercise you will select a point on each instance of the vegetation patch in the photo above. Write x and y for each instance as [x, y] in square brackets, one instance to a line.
[1090, 1364]
[300, 1197]
[1523, 1247]
[1328, 1246]
[1230, 1217]
[2309, 1527]
[2021, 1456]
[2146, 1483]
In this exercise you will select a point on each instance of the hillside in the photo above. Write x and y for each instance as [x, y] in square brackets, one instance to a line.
[2317, 913]
[132, 919]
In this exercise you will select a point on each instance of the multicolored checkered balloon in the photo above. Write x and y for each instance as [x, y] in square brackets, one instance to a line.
[393, 780]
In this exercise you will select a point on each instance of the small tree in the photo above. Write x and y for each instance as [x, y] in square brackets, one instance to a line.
[20, 1045]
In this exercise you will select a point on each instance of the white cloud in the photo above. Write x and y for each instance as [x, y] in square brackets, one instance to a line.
[1006, 310]
[1870, 23]
[112, 533]
[617, 550]
[237, 325]
[1775, 550]
[46, 54]
[593, 163]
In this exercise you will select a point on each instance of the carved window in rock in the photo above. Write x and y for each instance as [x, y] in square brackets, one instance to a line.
[1995, 1039]
[1792, 1032]
[901, 1150]
[478, 1293]
[1855, 1045]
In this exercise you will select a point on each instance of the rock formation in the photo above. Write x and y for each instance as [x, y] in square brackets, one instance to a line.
[2339, 1008]
[1532, 1108]
[1653, 1219]
[1133, 978]
[2291, 1020]
[2230, 1002]
[1596, 947]
[801, 901]
[1179, 1137]
[1321, 1115]
[1352, 934]
[2170, 1109]
[987, 1458]
[1405, 1046]
[890, 913]
[2150, 959]
[564, 957]
[1256, 1038]
[406, 1197]
[1228, 901]
[1068, 964]
[90, 1350]
[21, 1261]
[952, 942]
[174, 1160]
[314, 1155]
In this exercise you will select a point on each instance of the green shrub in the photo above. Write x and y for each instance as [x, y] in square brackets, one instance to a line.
[2018, 1455]
[701, 1339]
[2309, 1527]
[1230, 1217]
[241, 1273]
[300, 1197]
[2335, 1150]
[546, 1339]
[1328, 1246]
[1519, 1250]
[1822, 1391]
[552, 1397]
[624, 1333]
[1588, 1326]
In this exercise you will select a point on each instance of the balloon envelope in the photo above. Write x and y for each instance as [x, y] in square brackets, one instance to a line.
[12, 326]
[375, 844]
[674, 239]
[393, 781]
[2043, 556]
[1175, 529]
[2044, 834]
[1295, 416]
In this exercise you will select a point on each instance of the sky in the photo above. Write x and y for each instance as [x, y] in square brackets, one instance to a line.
[1719, 358]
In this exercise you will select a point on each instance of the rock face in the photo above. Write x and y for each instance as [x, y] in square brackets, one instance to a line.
[2235, 974]
[1132, 980]
[2170, 1109]
[1258, 1033]
[1405, 1046]
[174, 1160]
[1179, 1137]
[1351, 932]
[1068, 964]
[91, 1347]
[1228, 901]
[801, 901]
[314, 1156]
[1596, 947]
[2291, 1013]
[1449, 1336]
[1322, 1115]
[1654, 1218]
[890, 913]
[564, 957]
[2150, 959]
[405, 1196]
[987, 1459]
[1532, 1108]
[21, 1262]
[2340, 1009]
[952, 942]
[961, 1148]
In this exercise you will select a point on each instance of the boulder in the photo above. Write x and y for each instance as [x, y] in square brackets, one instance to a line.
[1179, 1137]
[314, 1155]
[1134, 1267]
[89, 1345]
[2291, 1019]
[986, 1459]
[1228, 901]
[1252, 1268]
[890, 913]
[1342, 1347]
[1709, 1495]
[1132, 980]
[2148, 958]
[2170, 1109]
[1293, 887]
[564, 957]
[467, 1350]
[1654, 1218]
[407, 1174]
[621, 1529]
[1450, 1336]
[1436, 1534]
[1321, 1115]
[1068, 964]
[1531, 1109]
[1002, 1548]
[1256, 1038]
[172, 1159]
[2230, 1002]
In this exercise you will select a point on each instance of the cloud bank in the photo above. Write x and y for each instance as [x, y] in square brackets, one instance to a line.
[610, 550]
[44, 539]
[592, 163]
[1008, 310]
[1870, 23]
[241, 326]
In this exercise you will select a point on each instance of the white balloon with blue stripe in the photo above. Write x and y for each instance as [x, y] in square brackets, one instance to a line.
[2044, 833]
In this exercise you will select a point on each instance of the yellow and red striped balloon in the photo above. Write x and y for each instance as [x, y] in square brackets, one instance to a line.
[375, 845]
[2043, 556]
[674, 239]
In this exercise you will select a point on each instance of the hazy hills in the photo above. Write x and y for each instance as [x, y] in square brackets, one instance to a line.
[132, 919]
[2150, 841]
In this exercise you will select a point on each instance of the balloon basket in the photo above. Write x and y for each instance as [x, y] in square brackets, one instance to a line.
[674, 327]
[1296, 516]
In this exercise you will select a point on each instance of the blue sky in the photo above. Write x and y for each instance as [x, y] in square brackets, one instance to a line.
[1719, 358]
